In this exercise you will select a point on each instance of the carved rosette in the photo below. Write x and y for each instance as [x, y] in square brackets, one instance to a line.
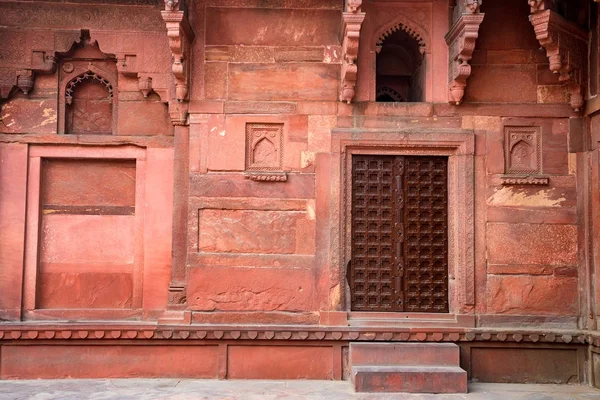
[461, 41]
[566, 47]
[352, 19]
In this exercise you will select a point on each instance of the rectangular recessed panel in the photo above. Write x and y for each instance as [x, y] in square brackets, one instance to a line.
[88, 186]
[519, 365]
[399, 234]
[280, 362]
[87, 237]
[101, 361]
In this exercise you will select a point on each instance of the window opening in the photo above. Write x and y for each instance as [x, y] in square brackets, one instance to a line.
[400, 70]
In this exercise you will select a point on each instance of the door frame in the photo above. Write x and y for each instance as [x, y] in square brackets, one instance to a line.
[459, 146]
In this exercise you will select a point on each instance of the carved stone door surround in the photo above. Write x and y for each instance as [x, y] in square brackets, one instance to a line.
[458, 146]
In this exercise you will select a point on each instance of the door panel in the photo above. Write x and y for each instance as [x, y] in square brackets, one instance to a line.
[399, 234]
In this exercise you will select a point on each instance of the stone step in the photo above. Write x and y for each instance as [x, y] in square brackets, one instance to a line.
[409, 379]
[411, 354]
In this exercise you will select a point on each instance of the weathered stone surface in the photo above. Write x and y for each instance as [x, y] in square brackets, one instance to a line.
[87, 239]
[42, 116]
[233, 231]
[280, 362]
[88, 182]
[538, 295]
[144, 118]
[220, 185]
[76, 290]
[525, 365]
[13, 195]
[250, 289]
[135, 227]
[289, 81]
[281, 27]
[53, 362]
[532, 244]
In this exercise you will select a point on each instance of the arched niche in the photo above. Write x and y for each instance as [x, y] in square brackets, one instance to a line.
[89, 105]
[397, 46]
[399, 65]
[88, 97]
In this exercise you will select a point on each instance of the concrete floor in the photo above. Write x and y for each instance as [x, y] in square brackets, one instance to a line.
[125, 389]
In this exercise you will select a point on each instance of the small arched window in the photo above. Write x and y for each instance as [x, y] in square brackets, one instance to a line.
[400, 70]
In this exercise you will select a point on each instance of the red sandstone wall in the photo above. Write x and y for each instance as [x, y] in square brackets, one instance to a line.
[263, 251]
[95, 240]
[252, 245]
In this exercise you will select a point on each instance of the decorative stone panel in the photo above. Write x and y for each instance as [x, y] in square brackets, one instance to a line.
[523, 156]
[264, 152]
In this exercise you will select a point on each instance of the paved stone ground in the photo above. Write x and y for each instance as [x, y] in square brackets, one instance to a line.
[129, 389]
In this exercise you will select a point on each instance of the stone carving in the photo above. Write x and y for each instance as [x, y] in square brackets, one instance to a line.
[352, 19]
[80, 78]
[473, 6]
[412, 31]
[522, 150]
[538, 5]
[566, 47]
[83, 108]
[141, 332]
[180, 37]
[461, 43]
[506, 180]
[523, 156]
[264, 147]
[91, 16]
[172, 5]
[145, 85]
[177, 294]
[19, 63]
[267, 177]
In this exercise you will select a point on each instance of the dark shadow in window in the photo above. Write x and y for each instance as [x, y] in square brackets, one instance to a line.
[400, 73]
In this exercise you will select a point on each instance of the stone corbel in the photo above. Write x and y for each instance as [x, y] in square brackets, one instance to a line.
[461, 41]
[566, 47]
[352, 19]
[21, 79]
[180, 38]
[21, 76]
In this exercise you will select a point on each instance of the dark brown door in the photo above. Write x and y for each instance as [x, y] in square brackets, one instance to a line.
[399, 234]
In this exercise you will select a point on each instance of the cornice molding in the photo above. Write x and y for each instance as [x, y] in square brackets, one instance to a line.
[294, 333]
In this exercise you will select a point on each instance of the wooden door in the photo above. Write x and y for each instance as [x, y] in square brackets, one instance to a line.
[399, 234]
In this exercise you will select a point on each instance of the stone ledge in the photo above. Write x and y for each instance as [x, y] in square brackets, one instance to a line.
[292, 333]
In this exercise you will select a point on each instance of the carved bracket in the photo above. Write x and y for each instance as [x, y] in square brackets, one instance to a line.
[180, 37]
[566, 47]
[18, 71]
[461, 43]
[352, 19]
